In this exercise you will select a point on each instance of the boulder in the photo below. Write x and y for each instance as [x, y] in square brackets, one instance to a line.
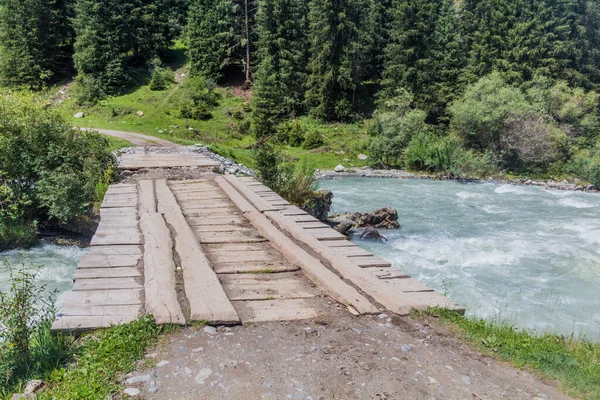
[139, 113]
[319, 205]
[339, 168]
[362, 157]
[344, 226]
[385, 217]
[372, 234]
[79, 115]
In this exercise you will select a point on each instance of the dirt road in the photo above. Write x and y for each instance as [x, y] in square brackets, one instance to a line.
[137, 139]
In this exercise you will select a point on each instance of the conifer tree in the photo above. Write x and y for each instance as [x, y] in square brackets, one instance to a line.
[35, 41]
[334, 40]
[279, 82]
[208, 32]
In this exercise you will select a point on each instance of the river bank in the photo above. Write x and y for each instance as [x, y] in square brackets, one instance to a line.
[367, 172]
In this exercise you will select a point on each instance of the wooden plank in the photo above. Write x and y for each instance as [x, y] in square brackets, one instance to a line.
[80, 323]
[105, 297]
[410, 285]
[224, 228]
[204, 221]
[323, 235]
[275, 310]
[116, 250]
[313, 225]
[338, 243]
[312, 267]
[95, 260]
[372, 261]
[293, 210]
[353, 251]
[266, 287]
[244, 257]
[159, 267]
[236, 247]
[120, 236]
[206, 297]
[228, 237]
[388, 273]
[303, 218]
[260, 204]
[105, 283]
[254, 267]
[117, 223]
[97, 310]
[224, 211]
[116, 272]
[118, 210]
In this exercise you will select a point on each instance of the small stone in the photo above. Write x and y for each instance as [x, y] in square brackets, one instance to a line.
[187, 371]
[132, 392]
[139, 113]
[162, 363]
[137, 379]
[382, 316]
[191, 129]
[406, 348]
[448, 367]
[79, 115]
[32, 386]
[151, 355]
[203, 374]
[358, 331]
[211, 330]
[339, 168]
[362, 157]
[153, 387]
[198, 350]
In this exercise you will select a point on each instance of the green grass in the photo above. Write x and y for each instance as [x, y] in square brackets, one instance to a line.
[102, 360]
[115, 143]
[574, 363]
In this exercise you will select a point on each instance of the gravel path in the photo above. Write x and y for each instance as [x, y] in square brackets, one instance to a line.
[333, 357]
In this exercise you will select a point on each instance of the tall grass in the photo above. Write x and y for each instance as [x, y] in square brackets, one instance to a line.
[573, 362]
[28, 349]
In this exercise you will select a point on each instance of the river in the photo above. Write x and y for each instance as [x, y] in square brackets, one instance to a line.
[522, 254]
[57, 265]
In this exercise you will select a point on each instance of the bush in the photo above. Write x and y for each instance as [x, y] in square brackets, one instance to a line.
[48, 170]
[27, 347]
[161, 78]
[196, 97]
[313, 140]
[292, 133]
[294, 182]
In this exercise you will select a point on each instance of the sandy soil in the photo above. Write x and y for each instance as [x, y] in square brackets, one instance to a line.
[338, 356]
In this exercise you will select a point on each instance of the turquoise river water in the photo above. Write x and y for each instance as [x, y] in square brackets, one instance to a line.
[518, 253]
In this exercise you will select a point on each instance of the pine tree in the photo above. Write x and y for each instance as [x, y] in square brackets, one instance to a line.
[279, 82]
[35, 41]
[101, 48]
[208, 32]
[334, 40]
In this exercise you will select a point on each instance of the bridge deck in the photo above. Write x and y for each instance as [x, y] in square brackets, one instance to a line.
[224, 250]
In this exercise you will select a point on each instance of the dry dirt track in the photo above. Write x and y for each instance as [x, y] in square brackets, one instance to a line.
[137, 139]
[335, 357]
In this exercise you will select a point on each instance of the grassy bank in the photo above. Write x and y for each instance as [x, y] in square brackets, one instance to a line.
[574, 363]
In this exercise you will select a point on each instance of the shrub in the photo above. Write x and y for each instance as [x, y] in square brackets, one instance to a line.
[48, 170]
[161, 78]
[27, 347]
[313, 140]
[291, 133]
[196, 97]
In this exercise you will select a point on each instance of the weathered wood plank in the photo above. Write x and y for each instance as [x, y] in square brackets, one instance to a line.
[372, 261]
[254, 267]
[223, 228]
[206, 297]
[79, 323]
[205, 221]
[388, 273]
[120, 236]
[116, 250]
[103, 310]
[266, 287]
[95, 260]
[244, 257]
[313, 225]
[353, 251]
[105, 297]
[159, 267]
[259, 203]
[229, 237]
[115, 272]
[236, 247]
[105, 283]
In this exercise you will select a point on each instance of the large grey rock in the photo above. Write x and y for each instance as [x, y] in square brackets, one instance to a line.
[344, 226]
[339, 168]
[79, 115]
[372, 234]
[362, 157]
[384, 218]
[132, 392]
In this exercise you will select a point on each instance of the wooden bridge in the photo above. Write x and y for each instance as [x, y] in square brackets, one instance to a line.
[224, 250]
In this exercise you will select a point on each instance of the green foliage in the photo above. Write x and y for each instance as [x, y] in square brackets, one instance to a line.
[313, 140]
[27, 347]
[295, 182]
[36, 41]
[208, 32]
[291, 133]
[48, 170]
[196, 98]
[102, 360]
[574, 363]
[161, 78]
